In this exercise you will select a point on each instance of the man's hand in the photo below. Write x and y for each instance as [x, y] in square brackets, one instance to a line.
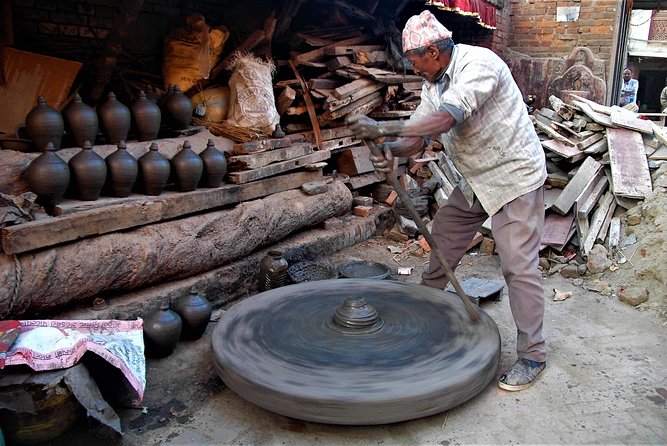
[364, 127]
[383, 164]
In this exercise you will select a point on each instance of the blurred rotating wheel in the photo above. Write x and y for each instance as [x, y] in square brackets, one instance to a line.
[355, 351]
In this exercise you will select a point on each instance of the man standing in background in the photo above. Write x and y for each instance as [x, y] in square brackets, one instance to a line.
[629, 90]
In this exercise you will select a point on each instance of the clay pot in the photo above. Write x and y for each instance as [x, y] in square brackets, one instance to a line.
[188, 168]
[89, 172]
[215, 166]
[162, 329]
[122, 171]
[147, 117]
[151, 95]
[195, 312]
[154, 170]
[81, 121]
[48, 175]
[179, 109]
[44, 124]
[115, 119]
[272, 271]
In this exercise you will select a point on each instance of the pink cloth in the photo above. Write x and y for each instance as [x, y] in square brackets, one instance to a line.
[422, 30]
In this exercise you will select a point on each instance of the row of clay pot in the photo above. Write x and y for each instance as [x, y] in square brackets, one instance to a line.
[164, 327]
[45, 124]
[49, 176]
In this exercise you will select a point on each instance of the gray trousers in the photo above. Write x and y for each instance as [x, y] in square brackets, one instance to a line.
[517, 232]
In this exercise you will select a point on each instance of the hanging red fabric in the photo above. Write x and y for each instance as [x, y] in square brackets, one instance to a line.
[484, 11]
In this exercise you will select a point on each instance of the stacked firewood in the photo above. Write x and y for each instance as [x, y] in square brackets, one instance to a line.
[598, 162]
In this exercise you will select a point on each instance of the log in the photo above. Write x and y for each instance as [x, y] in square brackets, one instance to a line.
[14, 164]
[44, 280]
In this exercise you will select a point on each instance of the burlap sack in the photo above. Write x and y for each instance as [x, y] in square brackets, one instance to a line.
[252, 104]
[212, 103]
[190, 53]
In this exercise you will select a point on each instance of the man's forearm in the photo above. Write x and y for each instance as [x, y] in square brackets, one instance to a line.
[433, 124]
[406, 146]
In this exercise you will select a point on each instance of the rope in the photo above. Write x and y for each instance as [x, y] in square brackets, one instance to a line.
[17, 285]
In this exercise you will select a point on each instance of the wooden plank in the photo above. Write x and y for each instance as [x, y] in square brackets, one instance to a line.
[338, 62]
[276, 168]
[349, 50]
[347, 100]
[321, 52]
[360, 106]
[585, 205]
[588, 169]
[553, 134]
[599, 118]
[279, 183]
[659, 154]
[340, 143]
[354, 161]
[589, 141]
[587, 201]
[597, 148]
[630, 174]
[262, 145]
[614, 235]
[323, 84]
[364, 180]
[442, 179]
[329, 134]
[557, 230]
[596, 222]
[261, 159]
[352, 87]
[628, 120]
[598, 108]
[285, 99]
[135, 211]
[570, 153]
[602, 234]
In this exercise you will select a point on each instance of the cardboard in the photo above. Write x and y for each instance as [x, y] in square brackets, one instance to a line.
[28, 76]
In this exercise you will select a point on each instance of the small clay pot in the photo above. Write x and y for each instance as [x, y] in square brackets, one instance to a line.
[195, 312]
[115, 119]
[154, 171]
[89, 172]
[123, 170]
[151, 95]
[273, 271]
[80, 121]
[162, 330]
[179, 108]
[147, 117]
[215, 166]
[44, 124]
[188, 168]
[48, 176]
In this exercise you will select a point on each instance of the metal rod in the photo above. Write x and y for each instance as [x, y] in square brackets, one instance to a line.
[405, 200]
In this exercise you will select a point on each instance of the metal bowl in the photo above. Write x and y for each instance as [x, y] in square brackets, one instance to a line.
[308, 271]
[362, 269]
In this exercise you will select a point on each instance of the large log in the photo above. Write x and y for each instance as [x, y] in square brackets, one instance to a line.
[43, 280]
[14, 164]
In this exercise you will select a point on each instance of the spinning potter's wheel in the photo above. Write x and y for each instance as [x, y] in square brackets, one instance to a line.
[355, 351]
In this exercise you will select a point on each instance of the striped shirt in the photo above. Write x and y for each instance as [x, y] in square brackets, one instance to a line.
[493, 145]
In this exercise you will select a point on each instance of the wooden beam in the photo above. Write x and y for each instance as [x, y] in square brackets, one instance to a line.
[262, 145]
[359, 94]
[630, 176]
[626, 119]
[136, 210]
[277, 168]
[322, 51]
[360, 106]
[280, 183]
[261, 159]
[596, 222]
[588, 169]
[349, 50]
[585, 204]
[285, 99]
[445, 185]
[570, 153]
[350, 88]
[354, 161]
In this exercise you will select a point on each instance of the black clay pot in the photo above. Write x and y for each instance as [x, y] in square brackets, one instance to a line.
[147, 117]
[272, 271]
[89, 172]
[215, 165]
[162, 330]
[115, 120]
[154, 171]
[48, 176]
[179, 108]
[195, 312]
[188, 168]
[44, 124]
[80, 121]
[122, 171]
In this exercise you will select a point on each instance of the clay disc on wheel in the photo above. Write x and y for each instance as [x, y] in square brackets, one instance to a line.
[283, 350]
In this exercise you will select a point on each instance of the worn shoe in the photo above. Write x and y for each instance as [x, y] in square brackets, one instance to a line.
[523, 374]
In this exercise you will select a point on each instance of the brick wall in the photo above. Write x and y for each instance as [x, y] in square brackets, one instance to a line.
[536, 32]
